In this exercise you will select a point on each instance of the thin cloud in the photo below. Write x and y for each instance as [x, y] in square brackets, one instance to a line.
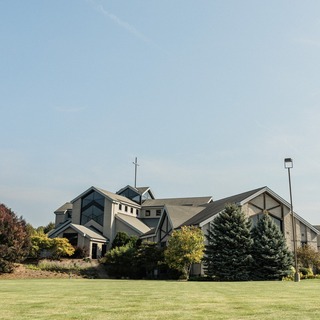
[123, 24]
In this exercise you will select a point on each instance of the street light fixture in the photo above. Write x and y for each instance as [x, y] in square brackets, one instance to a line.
[288, 164]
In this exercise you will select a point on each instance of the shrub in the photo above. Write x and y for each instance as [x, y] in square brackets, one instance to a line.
[119, 261]
[80, 253]
[306, 273]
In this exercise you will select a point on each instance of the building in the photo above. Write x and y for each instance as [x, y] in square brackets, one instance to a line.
[93, 218]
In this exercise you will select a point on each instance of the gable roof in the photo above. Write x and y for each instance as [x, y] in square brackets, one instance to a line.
[64, 208]
[133, 223]
[113, 197]
[84, 231]
[192, 201]
[177, 216]
[140, 190]
[180, 214]
[217, 206]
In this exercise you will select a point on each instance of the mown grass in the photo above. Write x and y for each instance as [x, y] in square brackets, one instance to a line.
[130, 299]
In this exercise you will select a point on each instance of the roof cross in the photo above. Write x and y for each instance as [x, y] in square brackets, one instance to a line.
[135, 171]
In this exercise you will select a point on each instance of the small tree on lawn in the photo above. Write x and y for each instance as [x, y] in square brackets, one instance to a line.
[227, 254]
[185, 247]
[14, 239]
[272, 258]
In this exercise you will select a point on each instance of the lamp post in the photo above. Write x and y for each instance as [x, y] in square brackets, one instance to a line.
[288, 164]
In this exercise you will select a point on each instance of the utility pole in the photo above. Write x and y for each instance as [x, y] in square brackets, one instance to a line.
[135, 171]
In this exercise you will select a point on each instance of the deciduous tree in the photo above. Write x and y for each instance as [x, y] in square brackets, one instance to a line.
[14, 239]
[185, 247]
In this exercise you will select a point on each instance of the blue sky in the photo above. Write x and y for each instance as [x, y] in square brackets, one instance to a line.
[211, 96]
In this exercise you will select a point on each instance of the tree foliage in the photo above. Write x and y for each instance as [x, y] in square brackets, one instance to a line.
[133, 259]
[185, 247]
[119, 261]
[228, 252]
[272, 258]
[55, 248]
[122, 239]
[308, 257]
[14, 239]
[61, 247]
[149, 256]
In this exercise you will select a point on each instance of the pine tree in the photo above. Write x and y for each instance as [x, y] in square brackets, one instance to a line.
[228, 255]
[272, 258]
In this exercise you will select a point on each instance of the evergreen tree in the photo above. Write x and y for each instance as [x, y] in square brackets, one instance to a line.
[227, 255]
[272, 258]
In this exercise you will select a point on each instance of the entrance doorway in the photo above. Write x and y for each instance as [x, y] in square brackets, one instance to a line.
[94, 251]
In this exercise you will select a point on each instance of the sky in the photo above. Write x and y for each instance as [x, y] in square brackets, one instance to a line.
[209, 95]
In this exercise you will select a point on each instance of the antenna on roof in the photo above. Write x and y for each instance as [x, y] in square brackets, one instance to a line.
[135, 171]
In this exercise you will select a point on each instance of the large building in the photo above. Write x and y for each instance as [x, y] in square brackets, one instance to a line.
[93, 218]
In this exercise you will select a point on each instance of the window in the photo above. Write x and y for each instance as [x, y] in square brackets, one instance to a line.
[120, 206]
[131, 210]
[126, 208]
[147, 213]
[69, 214]
[158, 212]
[92, 208]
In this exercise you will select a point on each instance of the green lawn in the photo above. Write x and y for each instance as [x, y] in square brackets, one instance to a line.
[129, 299]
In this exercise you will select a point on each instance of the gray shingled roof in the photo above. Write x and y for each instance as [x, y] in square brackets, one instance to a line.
[112, 196]
[133, 223]
[180, 214]
[116, 197]
[64, 208]
[217, 206]
[194, 201]
[142, 190]
[86, 232]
